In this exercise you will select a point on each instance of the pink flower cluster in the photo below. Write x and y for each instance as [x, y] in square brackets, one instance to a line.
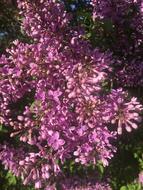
[84, 184]
[126, 17]
[53, 101]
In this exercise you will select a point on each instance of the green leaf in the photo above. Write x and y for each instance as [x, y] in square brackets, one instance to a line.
[124, 188]
[11, 178]
[3, 129]
[0, 127]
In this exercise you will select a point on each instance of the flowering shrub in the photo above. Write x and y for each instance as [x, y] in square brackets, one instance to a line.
[54, 102]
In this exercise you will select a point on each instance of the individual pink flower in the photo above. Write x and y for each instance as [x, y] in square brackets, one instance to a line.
[140, 178]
